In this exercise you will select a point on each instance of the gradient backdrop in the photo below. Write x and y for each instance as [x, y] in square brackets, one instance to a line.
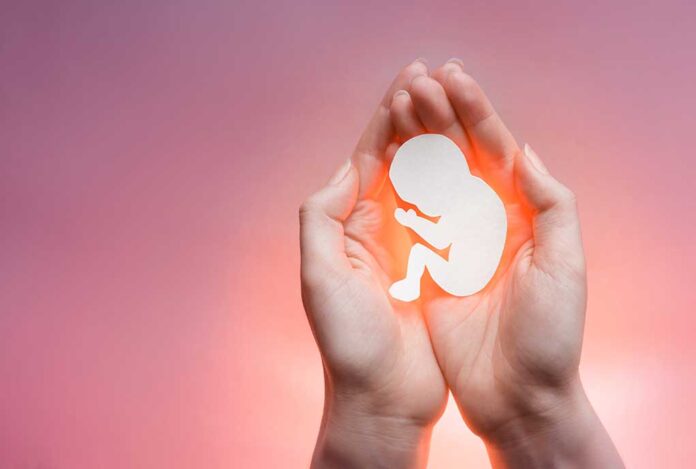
[152, 159]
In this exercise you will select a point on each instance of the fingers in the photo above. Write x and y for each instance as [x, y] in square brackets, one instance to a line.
[494, 144]
[427, 109]
[557, 240]
[432, 105]
[322, 245]
[404, 117]
[368, 156]
[435, 111]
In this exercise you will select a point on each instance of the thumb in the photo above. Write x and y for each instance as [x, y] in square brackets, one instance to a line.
[321, 224]
[555, 222]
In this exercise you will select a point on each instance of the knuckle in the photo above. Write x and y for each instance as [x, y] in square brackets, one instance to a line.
[309, 206]
[568, 198]
[302, 211]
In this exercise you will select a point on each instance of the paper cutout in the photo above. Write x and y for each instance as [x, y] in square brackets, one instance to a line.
[431, 172]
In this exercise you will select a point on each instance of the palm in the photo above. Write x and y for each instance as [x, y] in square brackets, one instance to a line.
[388, 339]
[370, 345]
[522, 330]
[496, 344]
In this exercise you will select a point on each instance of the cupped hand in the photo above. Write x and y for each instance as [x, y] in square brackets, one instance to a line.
[510, 353]
[384, 389]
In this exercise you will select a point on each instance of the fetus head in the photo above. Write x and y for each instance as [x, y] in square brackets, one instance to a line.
[429, 171]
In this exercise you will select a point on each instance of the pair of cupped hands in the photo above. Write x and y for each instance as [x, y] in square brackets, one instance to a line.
[509, 354]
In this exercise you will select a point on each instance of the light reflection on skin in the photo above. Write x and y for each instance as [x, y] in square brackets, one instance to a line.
[431, 172]
[509, 354]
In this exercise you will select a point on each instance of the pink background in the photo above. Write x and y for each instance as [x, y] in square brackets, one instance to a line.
[152, 159]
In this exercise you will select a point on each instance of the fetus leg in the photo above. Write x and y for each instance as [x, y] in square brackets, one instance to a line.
[419, 259]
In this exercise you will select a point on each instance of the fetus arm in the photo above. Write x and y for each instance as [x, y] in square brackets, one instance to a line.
[432, 233]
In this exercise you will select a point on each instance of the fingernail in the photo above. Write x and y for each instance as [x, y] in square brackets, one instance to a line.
[534, 159]
[421, 61]
[401, 93]
[456, 61]
[341, 173]
[452, 69]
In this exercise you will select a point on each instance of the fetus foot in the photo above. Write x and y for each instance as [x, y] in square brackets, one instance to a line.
[405, 290]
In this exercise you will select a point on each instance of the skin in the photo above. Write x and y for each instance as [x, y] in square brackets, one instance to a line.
[384, 388]
[509, 353]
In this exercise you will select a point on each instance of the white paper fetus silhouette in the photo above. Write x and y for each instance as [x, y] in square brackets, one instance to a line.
[431, 172]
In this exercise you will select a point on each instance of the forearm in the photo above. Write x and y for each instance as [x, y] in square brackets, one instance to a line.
[568, 436]
[354, 435]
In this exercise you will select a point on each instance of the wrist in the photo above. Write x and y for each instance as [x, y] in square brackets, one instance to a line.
[567, 433]
[355, 433]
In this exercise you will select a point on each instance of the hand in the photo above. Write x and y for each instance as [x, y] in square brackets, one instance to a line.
[510, 353]
[384, 389]
[403, 217]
